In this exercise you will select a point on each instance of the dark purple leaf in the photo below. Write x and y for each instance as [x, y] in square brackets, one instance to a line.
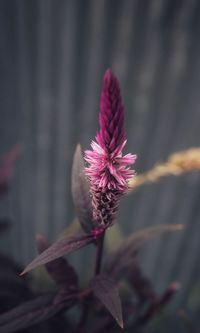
[119, 261]
[169, 293]
[106, 291]
[158, 304]
[7, 164]
[62, 246]
[81, 192]
[60, 271]
[31, 313]
[142, 286]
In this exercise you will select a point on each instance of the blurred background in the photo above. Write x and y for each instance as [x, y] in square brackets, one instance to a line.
[53, 55]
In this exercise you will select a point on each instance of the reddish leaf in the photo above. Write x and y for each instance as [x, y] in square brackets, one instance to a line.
[106, 291]
[120, 260]
[7, 164]
[60, 271]
[31, 313]
[169, 293]
[62, 246]
[81, 192]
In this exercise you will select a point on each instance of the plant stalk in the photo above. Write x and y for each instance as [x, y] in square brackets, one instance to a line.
[99, 255]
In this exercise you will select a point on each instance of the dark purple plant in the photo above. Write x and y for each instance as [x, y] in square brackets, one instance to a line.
[96, 189]
[13, 289]
[7, 164]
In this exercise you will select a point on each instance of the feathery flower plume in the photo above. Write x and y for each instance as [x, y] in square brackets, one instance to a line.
[108, 171]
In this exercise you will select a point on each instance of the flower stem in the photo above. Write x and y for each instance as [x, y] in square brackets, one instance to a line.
[99, 256]
[85, 305]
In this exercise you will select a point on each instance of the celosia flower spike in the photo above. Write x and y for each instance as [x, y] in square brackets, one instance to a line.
[108, 171]
[111, 117]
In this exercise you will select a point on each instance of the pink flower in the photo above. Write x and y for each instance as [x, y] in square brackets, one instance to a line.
[108, 171]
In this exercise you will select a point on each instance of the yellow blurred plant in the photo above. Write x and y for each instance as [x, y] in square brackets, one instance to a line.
[177, 164]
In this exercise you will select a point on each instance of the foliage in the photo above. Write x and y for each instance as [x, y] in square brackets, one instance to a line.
[102, 295]
[104, 304]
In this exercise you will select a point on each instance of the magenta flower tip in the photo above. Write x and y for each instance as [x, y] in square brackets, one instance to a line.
[108, 171]
[111, 116]
[108, 74]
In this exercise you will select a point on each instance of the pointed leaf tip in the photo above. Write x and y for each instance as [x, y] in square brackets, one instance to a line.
[59, 269]
[107, 292]
[61, 247]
